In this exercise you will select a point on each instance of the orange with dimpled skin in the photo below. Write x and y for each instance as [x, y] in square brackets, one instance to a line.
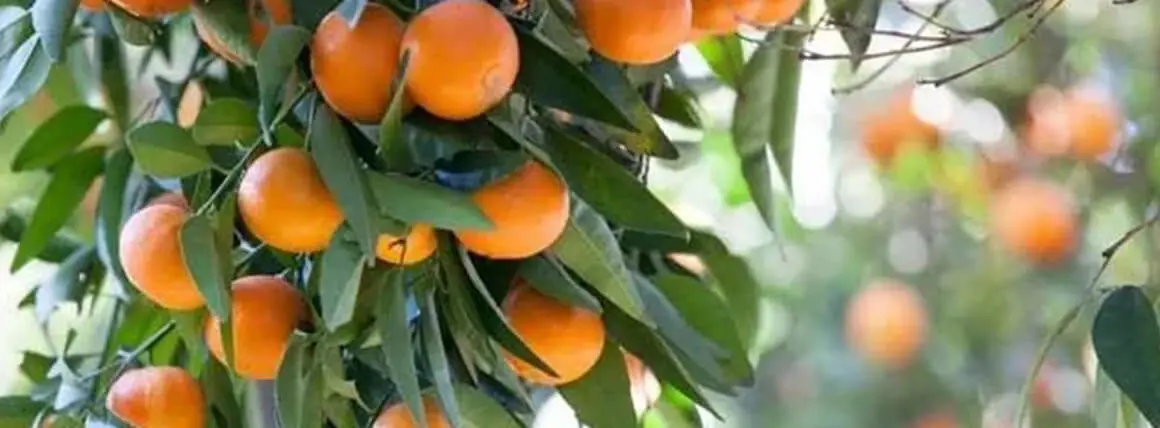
[150, 251]
[529, 209]
[285, 203]
[635, 32]
[566, 338]
[355, 68]
[157, 397]
[265, 312]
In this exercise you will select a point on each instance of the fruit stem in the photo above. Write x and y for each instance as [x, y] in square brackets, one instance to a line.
[136, 352]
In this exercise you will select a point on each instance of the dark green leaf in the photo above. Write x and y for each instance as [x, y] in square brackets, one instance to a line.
[57, 137]
[650, 140]
[200, 253]
[65, 285]
[225, 122]
[437, 357]
[395, 332]
[308, 13]
[704, 311]
[341, 271]
[421, 202]
[680, 107]
[18, 410]
[724, 55]
[601, 398]
[68, 185]
[547, 78]
[219, 394]
[1127, 342]
[189, 325]
[343, 174]
[856, 17]
[276, 60]
[699, 355]
[111, 211]
[25, 71]
[547, 276]
[35, 366]
[52, 20]
[733, 280]
[230, 22]
[131, 29]
[609, 188]
[223, 226]
[589, 248]
[57, 249]
[481, 411]
[392, 147]
[163, 149]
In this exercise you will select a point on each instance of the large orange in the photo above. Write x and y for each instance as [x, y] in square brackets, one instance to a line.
[153, 8]
[529, 209]
[355, 68]
[1035, 219]
[890, 129]
[150, 250]
[721, 16]
[261, 12]
[285, 203]
[464, 58]
[266, 309]
[418, 245]
[399, 416]
[567, 338]
[635, 32]
[774, 12]
[886, 323]
[1081, 122]
[157, 397]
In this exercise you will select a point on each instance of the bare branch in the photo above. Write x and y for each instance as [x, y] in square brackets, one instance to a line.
[1023, 6]
[938, 9]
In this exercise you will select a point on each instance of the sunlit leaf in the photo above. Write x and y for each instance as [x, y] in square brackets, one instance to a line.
[225, 122]
[342, 267]
[601, 397]
[165, 150]
[589, 248]
[394, 329]
[342, 172]
[422, 202]
[57, 137]
[70, 181]
[200, 253]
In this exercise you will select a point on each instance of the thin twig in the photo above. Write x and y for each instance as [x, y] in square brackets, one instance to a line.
[984, 29]
[136, 352]
[813, 56]
[840, 26]
[938, 9]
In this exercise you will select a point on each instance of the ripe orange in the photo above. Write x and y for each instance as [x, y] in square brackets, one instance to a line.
[1081, 122]
[774, 12]
[635, 32]
[266, 309]
[1034, 219]
[419, 244]
[529, 209]
[153, 8]
[399, 416]
[150, 250]
[261, 14]
[355, 68]
[888, 131]
[721, 16]
[170, 198]
[464, 58]
[156, 397]
[285, 203]
[886, 323]
[567, 338]
[93, 5]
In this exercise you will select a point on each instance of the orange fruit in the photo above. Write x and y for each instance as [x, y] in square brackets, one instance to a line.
[419, 244]
[355, 68]
[157, 397]
[174, 198]
[529, 209]
[265, 311]
[285, 203]
[635, 32]
[721, 16]
[888, 131]
[886, 323]
[939, 419]
[261, 13]
[153, 8]
[774, 12]
[464, 58]
[399, 416]
[567, 338]
[1035, 219]
[150, 250]
[93, 5]
[1080, 122]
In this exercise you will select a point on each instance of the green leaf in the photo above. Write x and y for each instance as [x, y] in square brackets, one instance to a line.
[724, 55]
[200, 253]
[18, 410]
[189, 326]
[701, 357]
[547, 78]
[52, 20]
[395, 333]
[343, 174]
[546, 275]
[66, 283]
[57, 137]
[601, 398]
[226, 122]
[392, 147]
[416, 201]
[230, 22]
[163, 149]
[680, 107]
[68, 185]
[276, 60]
[437, 357]
[589, 248]
[1127, 342]
[133, 30]
[609, 188]
[704, 311]
[25, 71]
[341, 269]
[650, 140]
[855, 17]
[113, 78]
[734, 280]
[219, 394]
[480, 411]
[111, 212]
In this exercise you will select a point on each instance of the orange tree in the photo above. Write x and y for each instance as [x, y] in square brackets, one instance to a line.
[388, 214]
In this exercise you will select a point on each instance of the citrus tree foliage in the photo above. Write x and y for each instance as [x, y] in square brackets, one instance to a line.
[377, 334]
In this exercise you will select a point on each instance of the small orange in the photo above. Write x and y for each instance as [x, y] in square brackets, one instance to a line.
[529, 209]
[153, 8]
[721, 16]
[265, 311]
[774, 12]
[419, 244]
[1081, 122]
[399, 416]
[635, 32]
[355, 68]
[261, 13]
[157, 397]
[464, 58]
[886, 323]
[285, 203]
[888, 131]
[1035, 219]
[567, 338]
[150, 250]
[93, 5]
